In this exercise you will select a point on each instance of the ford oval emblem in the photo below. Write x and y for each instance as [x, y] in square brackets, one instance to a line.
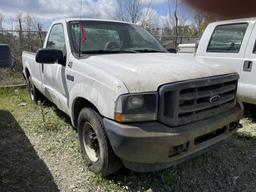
[214, 99]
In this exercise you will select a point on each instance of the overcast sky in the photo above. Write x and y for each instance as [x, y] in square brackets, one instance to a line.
[48, 10]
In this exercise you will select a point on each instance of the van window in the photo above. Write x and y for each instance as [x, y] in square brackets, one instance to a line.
[227, 38]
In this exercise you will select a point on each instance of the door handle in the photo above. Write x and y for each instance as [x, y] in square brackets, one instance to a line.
[70, 77]
[248, 66]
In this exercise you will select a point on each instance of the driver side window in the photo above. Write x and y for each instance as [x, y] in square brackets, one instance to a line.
[56, 38]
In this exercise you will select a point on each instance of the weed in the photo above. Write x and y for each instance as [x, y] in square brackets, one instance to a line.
[42, 153]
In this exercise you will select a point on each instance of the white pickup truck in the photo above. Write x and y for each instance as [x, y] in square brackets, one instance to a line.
[131, 101]
[230, 43]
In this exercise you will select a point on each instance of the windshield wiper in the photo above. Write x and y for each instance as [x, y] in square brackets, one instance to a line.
[102, 51]
[148, 51]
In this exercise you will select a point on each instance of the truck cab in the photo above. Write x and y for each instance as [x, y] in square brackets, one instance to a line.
[232, 43]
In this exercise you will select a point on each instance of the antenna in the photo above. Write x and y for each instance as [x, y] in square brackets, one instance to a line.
[81, 8]
[80, 26]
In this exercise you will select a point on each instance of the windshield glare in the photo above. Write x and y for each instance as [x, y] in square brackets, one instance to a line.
[111, 37]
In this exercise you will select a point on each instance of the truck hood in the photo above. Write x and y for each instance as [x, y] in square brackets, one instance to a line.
[144, 72]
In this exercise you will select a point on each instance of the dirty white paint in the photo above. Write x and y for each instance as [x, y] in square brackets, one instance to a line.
[101, 79]
[247, 82]
[146, 72]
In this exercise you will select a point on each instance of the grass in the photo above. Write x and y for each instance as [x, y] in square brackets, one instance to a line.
[45, 156]
[10, 77]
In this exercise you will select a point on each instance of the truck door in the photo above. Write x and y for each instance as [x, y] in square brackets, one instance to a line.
[54, 74]
[247, 87]
[224, 44]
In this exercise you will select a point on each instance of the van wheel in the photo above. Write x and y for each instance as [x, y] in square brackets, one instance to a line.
[34, 94]
[96, 149]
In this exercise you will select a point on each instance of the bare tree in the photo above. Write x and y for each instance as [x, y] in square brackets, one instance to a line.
[176, 21]
[132, 10]
[30, 23]
[201, 21]
[9, 23]
[25, 33]
[173, 18]
[148, 19]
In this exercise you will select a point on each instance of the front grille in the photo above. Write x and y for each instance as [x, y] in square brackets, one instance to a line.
[189, 101]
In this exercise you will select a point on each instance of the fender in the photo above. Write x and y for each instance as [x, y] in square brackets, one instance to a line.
[98, 95]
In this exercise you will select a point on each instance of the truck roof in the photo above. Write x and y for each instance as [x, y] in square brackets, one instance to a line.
[90, 19]
[242, 20]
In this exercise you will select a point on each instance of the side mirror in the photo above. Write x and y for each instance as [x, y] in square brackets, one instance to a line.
[172, 50]
[49, 56]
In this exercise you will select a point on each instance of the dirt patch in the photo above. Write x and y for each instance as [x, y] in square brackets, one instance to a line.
[47, 154]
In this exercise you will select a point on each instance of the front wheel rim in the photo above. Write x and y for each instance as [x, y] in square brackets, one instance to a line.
[90, 142]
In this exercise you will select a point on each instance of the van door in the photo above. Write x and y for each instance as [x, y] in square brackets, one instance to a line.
[247, 86]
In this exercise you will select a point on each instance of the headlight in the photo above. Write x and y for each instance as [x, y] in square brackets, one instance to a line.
[137, 107]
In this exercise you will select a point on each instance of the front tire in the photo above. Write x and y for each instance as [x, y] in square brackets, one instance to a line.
[94, 143]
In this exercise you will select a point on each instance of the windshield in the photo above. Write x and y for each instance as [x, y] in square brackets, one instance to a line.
[111, 37]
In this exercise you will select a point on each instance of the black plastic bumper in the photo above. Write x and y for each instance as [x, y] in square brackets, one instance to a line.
[151, 146]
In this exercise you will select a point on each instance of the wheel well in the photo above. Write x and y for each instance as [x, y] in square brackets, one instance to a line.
[78, 105]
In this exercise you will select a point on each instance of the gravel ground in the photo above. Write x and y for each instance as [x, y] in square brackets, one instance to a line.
[39, 155]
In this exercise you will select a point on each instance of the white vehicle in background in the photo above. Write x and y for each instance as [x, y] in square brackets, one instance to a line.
[187, 48]
[231, 43]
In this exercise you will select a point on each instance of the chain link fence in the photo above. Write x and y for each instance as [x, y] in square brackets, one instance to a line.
[19, 41]
[168, 41]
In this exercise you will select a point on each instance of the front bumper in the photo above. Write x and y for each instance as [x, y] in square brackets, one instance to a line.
[151, 146]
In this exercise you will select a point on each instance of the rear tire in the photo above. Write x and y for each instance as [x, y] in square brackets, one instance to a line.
[96, 149]
[34, 94]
